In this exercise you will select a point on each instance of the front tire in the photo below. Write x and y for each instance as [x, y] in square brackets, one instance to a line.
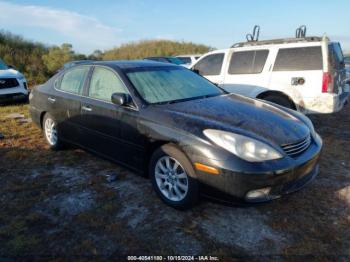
[50, 132]
[172, 177]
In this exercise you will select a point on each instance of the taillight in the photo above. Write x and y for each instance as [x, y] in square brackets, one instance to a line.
[327, 83]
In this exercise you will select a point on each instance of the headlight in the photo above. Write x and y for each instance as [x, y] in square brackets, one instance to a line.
[244, 147]
[21, 77]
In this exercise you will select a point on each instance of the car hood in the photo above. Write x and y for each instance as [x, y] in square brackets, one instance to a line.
[237, 114]
[9, 73]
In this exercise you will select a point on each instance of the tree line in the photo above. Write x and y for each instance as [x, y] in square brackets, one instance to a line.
[38, 62]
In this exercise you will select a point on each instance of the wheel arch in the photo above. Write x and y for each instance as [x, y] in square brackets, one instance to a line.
[42, 114]
[154, 145]
[265, 94]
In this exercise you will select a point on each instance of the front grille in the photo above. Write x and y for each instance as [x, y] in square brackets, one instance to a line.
[297, 148]
[8, 82]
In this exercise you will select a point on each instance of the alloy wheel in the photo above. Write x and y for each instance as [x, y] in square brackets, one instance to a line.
[50, 131]
[171, 178]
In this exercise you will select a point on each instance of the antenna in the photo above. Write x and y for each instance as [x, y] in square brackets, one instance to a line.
[300, 32]
[255, 36]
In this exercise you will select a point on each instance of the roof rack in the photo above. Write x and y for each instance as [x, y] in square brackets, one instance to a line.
[279, 41]
[300, 36]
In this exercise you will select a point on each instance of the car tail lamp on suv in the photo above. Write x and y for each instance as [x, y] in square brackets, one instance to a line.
[327, 83]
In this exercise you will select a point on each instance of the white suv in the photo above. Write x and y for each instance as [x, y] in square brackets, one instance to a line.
[306, 74]
[13, 85]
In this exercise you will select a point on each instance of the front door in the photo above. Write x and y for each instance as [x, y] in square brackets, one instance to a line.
[112, 130]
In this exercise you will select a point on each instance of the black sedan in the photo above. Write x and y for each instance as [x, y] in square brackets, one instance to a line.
[187, 134]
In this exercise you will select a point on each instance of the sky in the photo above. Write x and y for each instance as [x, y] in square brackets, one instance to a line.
[102, 24]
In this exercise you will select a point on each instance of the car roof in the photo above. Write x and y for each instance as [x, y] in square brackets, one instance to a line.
[188, 55]
[125, 64]
[159, 57]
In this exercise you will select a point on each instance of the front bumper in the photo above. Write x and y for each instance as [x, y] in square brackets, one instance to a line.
[19, 93]
[282, 176]
[13, 97]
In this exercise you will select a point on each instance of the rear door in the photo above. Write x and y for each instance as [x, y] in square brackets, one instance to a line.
[211, 67]
[247, 71]
[65, 101]
[298, 70]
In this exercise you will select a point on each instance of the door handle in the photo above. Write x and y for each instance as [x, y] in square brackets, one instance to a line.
[86, 108]
[51, 99]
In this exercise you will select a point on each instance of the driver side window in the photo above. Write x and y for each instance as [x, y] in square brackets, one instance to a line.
[104, 83]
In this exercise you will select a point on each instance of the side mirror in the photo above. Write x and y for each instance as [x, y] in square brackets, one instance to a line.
[120, 99]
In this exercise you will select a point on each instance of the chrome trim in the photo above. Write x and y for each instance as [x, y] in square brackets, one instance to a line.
[298, 147]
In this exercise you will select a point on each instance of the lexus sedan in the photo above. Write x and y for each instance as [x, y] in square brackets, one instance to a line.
[185, 133]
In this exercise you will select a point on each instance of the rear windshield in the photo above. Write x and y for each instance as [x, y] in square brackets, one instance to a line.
[336, 55]
[298, 59]
[248, 62]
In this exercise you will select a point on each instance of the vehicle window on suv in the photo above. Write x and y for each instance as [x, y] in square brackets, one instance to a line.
[210, 65]
[186, 60]
[248, 62]
[298, 59]
[104, 83]
[73, 80]
[336, 56]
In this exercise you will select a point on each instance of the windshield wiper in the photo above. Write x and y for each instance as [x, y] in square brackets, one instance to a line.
[185, 99]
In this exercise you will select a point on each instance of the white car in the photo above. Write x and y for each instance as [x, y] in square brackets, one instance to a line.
[306, 74]
[13, 85]
[188, 59]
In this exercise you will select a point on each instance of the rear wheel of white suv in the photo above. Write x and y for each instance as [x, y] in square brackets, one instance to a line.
[280, 100]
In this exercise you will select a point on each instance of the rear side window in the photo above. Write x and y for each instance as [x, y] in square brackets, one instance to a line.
[248, 62]
[186, 60]
[336, 55]
[73, 80]
[210, 65]
[104, 83]
[298, 59]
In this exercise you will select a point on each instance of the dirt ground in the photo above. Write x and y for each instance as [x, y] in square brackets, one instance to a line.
[70, 202]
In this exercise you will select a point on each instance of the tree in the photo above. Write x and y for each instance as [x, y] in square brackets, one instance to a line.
[142, 49]
[96, 55]
[57, 57]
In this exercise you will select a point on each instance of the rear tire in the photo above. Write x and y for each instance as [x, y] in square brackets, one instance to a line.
[172, 177]
[280, 100]
[50, 132]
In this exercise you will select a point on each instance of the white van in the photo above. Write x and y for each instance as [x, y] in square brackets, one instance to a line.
[306, 74]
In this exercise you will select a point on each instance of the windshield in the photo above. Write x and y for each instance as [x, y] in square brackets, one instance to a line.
[159, 85]
[3, 66]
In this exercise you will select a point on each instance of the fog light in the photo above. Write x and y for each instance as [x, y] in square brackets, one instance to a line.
[261, 194]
